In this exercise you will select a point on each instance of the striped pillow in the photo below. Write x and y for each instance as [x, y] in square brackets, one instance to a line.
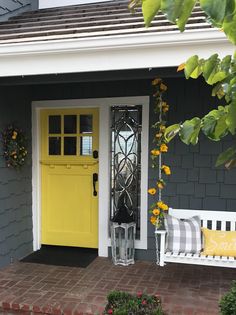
[183, 236]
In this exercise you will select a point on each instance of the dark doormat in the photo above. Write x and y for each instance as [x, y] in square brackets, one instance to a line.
[62, 256]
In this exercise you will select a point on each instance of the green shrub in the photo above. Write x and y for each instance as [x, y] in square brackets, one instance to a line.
[228, 301]
[122, 303]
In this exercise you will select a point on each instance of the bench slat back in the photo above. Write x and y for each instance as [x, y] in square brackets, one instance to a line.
[216, 219]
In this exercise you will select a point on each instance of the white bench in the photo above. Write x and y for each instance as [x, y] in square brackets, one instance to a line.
[215, 220]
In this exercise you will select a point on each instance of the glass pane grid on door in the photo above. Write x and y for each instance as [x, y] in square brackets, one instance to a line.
[70, 135]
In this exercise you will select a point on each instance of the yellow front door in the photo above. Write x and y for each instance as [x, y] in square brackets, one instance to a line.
[69, 172]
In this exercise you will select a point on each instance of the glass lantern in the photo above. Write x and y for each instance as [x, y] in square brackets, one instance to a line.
[122, 242]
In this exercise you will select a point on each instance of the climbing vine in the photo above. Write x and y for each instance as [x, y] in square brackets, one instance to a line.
[160, 148]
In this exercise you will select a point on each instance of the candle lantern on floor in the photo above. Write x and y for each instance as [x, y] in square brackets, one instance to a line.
[123, 230]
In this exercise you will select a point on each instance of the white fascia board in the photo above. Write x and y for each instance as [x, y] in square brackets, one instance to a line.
[110, 53]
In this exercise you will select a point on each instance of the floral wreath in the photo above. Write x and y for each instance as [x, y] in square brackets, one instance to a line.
[14, 147]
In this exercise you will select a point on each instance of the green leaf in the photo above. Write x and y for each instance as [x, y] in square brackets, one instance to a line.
[222, 14]
[178, 11]
[150, 8]
[229, 27]
[217, 9]
[214, 124]
[214, 72]
[226, 63]
[218, 76]
[191, 66]
[226, 156]
[218, 91]
[171, 132]
[231, 118]
[221, 128]
[190, 130]
[209, 124]
[209, 65]
[172, 9]
[186, 11]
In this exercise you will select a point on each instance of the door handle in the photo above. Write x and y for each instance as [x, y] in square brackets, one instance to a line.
[95, 154]
[95, 179]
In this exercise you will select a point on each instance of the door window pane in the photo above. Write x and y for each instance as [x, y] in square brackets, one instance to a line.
[54, 124]
[54, 145]
[70, 123]
[86, 145]
[86, 123]
[70, 146]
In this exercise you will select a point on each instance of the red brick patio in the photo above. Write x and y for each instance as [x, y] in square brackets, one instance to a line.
[185, 289]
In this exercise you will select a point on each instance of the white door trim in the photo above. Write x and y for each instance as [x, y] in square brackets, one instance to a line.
[103, 104]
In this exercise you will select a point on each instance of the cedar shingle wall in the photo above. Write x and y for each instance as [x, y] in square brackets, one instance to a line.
[195, 183]
[15, 186]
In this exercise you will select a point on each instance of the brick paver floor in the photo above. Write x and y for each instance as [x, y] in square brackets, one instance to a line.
[185, 289]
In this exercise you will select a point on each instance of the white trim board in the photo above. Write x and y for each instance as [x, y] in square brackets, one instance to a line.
[104, 105]
[136, 51]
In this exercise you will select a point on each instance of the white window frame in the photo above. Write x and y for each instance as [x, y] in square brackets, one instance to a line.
[104, 105]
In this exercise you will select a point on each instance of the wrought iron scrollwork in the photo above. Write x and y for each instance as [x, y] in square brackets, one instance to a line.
[126, 160]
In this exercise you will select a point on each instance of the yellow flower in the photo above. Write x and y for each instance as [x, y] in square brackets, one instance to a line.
[156, 81]
[162, 205]
[159, 204]
[152, 191]
[156, 211]
[166, 169]
[165, 108]
[155, 152]
[153, 220]
[165, 207]
[15, 156]
[164, 147]
[160, 185]
[163, 87]
[14, 135]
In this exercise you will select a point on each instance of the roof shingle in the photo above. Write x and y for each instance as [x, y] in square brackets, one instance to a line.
[110, 18]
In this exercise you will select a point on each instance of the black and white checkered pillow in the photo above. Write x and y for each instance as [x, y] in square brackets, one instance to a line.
[183, 236]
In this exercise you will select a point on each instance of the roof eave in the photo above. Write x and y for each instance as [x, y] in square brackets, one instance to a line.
[134, 51]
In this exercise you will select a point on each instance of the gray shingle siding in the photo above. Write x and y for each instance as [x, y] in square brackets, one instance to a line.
[10, 8]
[188, 187]
[195, 183]
[15, 186]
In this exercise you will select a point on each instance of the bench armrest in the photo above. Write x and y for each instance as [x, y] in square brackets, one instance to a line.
[160, 234]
